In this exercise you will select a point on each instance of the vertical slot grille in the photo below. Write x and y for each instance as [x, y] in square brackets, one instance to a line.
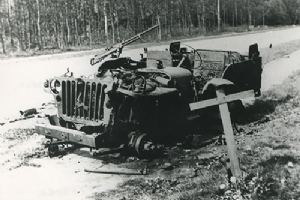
[83, 99]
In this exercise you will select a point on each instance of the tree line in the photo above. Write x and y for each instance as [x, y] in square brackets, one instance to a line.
[61, 24]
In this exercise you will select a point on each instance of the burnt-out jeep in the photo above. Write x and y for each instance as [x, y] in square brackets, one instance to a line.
[138, 104]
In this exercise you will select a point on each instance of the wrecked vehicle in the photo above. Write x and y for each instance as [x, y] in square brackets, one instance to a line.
[137, 104]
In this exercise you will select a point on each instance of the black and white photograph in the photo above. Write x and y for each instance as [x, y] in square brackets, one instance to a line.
[149, 99]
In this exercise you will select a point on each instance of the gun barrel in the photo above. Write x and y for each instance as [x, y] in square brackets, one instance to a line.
[138, 36]
[114, 49]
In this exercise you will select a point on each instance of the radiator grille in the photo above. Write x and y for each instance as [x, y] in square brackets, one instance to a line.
[82, 99]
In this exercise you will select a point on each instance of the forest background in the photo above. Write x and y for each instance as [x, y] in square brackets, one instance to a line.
[27, 25]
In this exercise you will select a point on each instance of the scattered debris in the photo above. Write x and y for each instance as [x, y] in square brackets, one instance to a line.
[222, 189]
[102, 152]
[131, 159]
[29, 112]
[290, 165]
[233, 180]
[159, 184]
[26, 114]
[119, 171]
[20, 118]
[168, 166]
[32, 165]
[250, 133]
[57, 149]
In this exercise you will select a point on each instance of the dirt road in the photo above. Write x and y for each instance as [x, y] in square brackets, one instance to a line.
[34, 176]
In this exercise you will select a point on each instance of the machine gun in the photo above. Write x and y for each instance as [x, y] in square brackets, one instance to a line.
[117, 48]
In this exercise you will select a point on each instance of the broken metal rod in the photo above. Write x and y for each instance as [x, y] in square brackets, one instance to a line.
[110, 151]
[118, 172]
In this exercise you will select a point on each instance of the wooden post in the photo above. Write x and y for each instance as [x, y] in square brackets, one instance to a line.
[226, 121]
[222, 101]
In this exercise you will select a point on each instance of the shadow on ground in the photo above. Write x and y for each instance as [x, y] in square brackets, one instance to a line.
[261, 109]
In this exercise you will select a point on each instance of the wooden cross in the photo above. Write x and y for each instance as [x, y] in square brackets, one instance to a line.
[222, 100]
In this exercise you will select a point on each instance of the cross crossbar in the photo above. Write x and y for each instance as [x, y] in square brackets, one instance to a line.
[221, 100]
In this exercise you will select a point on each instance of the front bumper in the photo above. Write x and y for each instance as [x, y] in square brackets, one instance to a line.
[67, 135]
